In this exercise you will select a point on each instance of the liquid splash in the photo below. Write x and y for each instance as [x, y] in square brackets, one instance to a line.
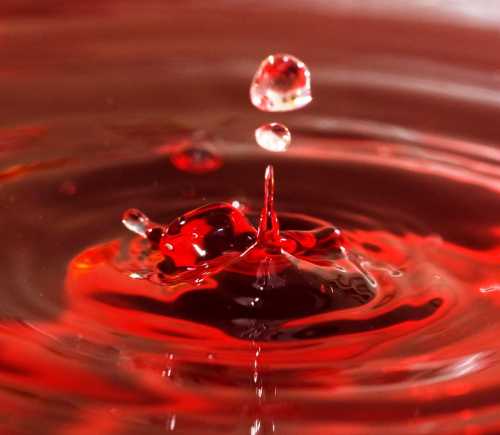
[158, 348]
[250, 281]
[421, 356]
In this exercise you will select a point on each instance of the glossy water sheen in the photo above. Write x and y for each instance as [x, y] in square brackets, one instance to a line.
[102, 107]
[219, 270]
[114, 355]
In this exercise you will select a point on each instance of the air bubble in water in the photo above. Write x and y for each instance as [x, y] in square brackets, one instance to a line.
[281, 84]
[273, 137]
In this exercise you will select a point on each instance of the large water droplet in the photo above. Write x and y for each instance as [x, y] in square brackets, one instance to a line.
[273, 137]
[282, 83]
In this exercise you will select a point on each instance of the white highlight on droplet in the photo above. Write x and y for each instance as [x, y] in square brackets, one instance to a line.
[490, 289]
[274, 137]
[201, 252]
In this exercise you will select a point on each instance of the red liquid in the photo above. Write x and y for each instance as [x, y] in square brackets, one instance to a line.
[94, 341]
[153, 343]
[219, 271]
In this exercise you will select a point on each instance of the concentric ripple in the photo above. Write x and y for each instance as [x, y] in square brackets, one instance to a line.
[87, 341]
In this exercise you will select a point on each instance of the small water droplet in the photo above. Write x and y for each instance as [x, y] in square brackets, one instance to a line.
[281, 84]
[136, 221]
[273, 137]
[197, 155]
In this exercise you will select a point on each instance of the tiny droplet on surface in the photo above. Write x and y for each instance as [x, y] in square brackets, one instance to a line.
[273, 137]
[197, 155]
[281, 84]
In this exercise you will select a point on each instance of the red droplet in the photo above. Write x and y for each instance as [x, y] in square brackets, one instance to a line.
[196, 155]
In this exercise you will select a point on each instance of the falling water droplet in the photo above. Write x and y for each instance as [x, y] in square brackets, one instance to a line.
[136, 221]
[282, 83]
[273, 137]
[196, 155]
